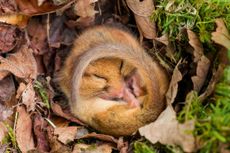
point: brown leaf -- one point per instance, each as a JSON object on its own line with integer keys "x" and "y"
{"x": 38, "y": 34}
{"x": 84, "y": 148}
{"x": 221, "y": 35}
{"x": 142, "y": 11}
{"x": 173, "y": 86}
{"x": 28, "y": 97}
{"x": 7, "y": 89}
{"x": 85, "y": 8}
{"x": 8, "y": 38}
{"x": 66, "y": 134}
{"x": 39, "y": 127}
{"x": 3, "y": 131}
{"x": 4, "y": 112}
{"x": 7, "y": 7}
{"x": 22, "y": 64}
{"x": 24, "y": 135}
{"x": 202, "y": 61}
{"x": 59, "y": 112}
{"x": 167, "y": 130}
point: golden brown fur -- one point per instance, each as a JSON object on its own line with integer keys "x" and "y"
{"x": 107, "y": 116}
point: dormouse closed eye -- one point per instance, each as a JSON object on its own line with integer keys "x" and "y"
{"x": 99, "y": 77}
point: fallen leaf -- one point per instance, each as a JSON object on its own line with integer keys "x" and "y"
{"x": 173, "y": 85}
{"x": 167, "y": 130}
{"x": 3, "y": 132}
{"x": 85, "y": 8}
{"x": 7, "y": 89}
{"x": 66, "y": 134}
{"x": 84, "y": 148}
{"x": 142, "y": 11}
{"x": 4, "y": 112}
{"x": 221, "y": 35}
{"x": 39, "y": 127}
{"x": 203, "y": 63}
{"x": 122, "y": 145}
{"x": 7, "y": 6}
{"x": 28, "y": 97}
{"x": 24, "y": 135}
{"x": 8, "y": 37}
{"x": 59, "y": 112}
{"x": 22, "y": 64}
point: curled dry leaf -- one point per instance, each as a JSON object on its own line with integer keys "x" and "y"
{"x": 28, "y": 97}
{"x": 8, "y": 38}
{"x": 7, "y": 89}
{"x": 84, "y": 148}
{"x": 167, "y": 130}
{"x": 59, "y": 112}
{"x": 203, "y": 63}
{"x": 221, "y": 35}
{"x": 66, "y": 134}
{"x": 173, "y": 86}
{"x": 142, "y": 11}
{"x": 24, "y": 135}
{"x": 22, "y": 64}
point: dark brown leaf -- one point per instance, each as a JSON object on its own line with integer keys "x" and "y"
{"x": 103, "y": 137}
{"x": 22, "y": 64}
{"x": 7, "y": 6}
{"x": 7, "y": 89}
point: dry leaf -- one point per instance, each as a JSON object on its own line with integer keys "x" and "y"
{"x": 7, "y": 89}
{"x": 8, "y": 38}
{"x": 221, "y": 35}
{"x": 173, "y": 86}
{"x": 39, "y": 127}
{"x": 85, "y": 8}
{"x": 28, "y": 97}
{"x": 84, "y": 148}
{"x": 202, "y": 61}
{"x": 22, "y": 64}
{"x": 142, "y": 11}
{"x": 24, "y": 135}
{"x": 7, "y": 6}
{"x": 59, "y": 112}
{"x": 167, "y": 130}
{"x": 66, "y": 134}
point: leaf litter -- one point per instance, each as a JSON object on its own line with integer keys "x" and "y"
{"x": 34, "y": 33}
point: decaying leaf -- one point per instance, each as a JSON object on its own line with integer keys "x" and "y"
{"x": 7, "y": 89}
{"x": 28, "y": 97}
{"x": 173, "y": 86}
{"x": 103, "y": 137}
{"x": 39, "y": 127}
{"x": 221, "y": 35}
{"x": 8, "y": 37}
{"x": 167, "y": 130}
{"x": 24, "y": 135}
{"x": 22, "y": 64}
{"x": 7, "y": 6}
{"x": 66, "y": 134}
{"x": 84, "y": 148}
{"x": 142, "y": 11}
{"x": 203, "y": 63}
